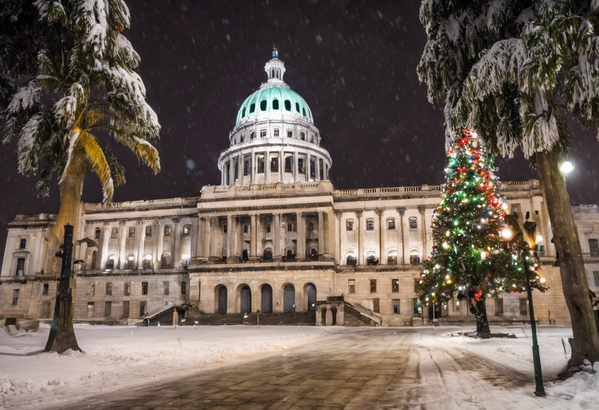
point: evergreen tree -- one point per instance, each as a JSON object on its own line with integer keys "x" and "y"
{"x": 468, "y": 255}
{"x": 515, "y": 70}
{"x": 81, "y": 90}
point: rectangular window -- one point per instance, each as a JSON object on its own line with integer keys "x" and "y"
{"x": 260, "y": 164}
{"x": 263, "y": 133}
{"x": 300, "y": 165}
{"x": 274, "y": 165}
{"x": 396, "y": 307}
{"x": 21, "y": 266}
{"x": 148, "y": 231}
{"x": 413, "y": 222}
{"x": 184, "y": 288}
{"x": 108, "y": 288}
{"x": 45, "y": 289}
{"x": 417, "y": 308}
{"x": 186, "y": 230}
{"x": 289, "y": 227}
{"x": 246, "y": 229}
{"x": 289, "y": 164}
{"x": 267, "y": 228}
{"x": 594, "y": 247}
{"x": 91, "y": 309}
{"x": 596, "y": 275}
{"x": 498, "y": 307}
{"x": 23, "y": 244}
{"x": 321, "y": 168}
{"x": 312, "y": 168}
{"x": 395, "y": 285}
{"x": 246, "y": 165}
{"x": 376, "y": 305}
{"x": 276, "y": 133}
{"x": 97, "y": 233}
{"x": 108, "y": 309}
{"x": 349, "y": 225}
{"x": 289, "y": 134}
{"x": 127, "y": 291}
{"x": 165, "y": 288}
{"x": 144, "y": 288}
{"x": 114, "y": 233}
{"x": 143, "y": 308}
{"x": 416, "y": 286}
{"x": 15, "y": 296}
{"x": 370, "y": 224}
{"x": 391, "y": 223}
{"x": 131, "y": 232}
{"x": 168, "y": 230}
{"x": 125, "y": 309}
{"x": 352, "y": 285}
{"x": 523, "y": 307}
{"x": 372, "y": 285}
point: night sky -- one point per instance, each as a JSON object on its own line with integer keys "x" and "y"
{"x": 353, "y": 62}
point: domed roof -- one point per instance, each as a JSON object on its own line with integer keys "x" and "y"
{"x": 274, "y": 100}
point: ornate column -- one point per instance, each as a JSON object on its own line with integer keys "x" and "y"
{"x": 239, "y": 169}
{"x": 338, "y": 215}
{"x": 359, "y": 241}
{"x": 177, "y": 243}
{"x": 295, "y": 168}
{"x": 238, "y": 234}
{"x": 301, "y": 236}
{"x": 422, "y": 210}
{"x": 382, "y": 256}
{"x": 104, "y": 249}
{"x": 317, "y": 164}
{"x": 259, "y": 251}
{"x": 159, "y": 245}
{"x": 140, "y": 234}
{"x": 267, "y": 167}
{"x": 401, "y": 211}
{"x": 122, "y": 245}
{"x": 321, "y": 239}
{"x": 308, "y": 167}
{"x": 253, "y": 237}
{"x": 282, "y": 166}
{"x": 232, "y": 171}
{"x": 276, "y": 222}
{"x": 214, "y": 233}
{"x": 200, "y": 237}
{"x": 253, "y": 168}
{"x": 230, "y": 230}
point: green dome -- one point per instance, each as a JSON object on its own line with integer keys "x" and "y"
{"x": 274, "y": 99}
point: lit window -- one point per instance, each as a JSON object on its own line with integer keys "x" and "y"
{"x": 15, "y": 296}
{"x": 395, "y": 285}
{"x": 414, "y": 257}
{"x": 168, "y": 230}
{"x": 391, "y": 223}
{"x": 186, "y": 229}
{"x": 149, "y": 231}
{"x": 91, "y": 309}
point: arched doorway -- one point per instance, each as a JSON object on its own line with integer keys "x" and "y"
{"x": 246, "y": 299}
{"x": 289, "y": 298}
{"x": 266, "y": 299}
{"x": 310, "y": 292}
{"x": 221, "y": 295}
{"x": 334, "y": 316}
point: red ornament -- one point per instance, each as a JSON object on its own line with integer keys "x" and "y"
{"x": 477, "y": 295}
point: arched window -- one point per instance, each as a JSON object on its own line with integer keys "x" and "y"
{"x": 110, "y": 262}
{"x": 304, "y": 111}
{"x": 147, "y": 264}
{"x": 349, "y": 225}
{"x": 392, "y": 258}
{"x": 313, "y": 254}
{"x": 243, "y": 113}
{"x": 186, "y": 230}
{"x": 263, "y": 105}
{"x": 275, "y": 104}
{"x": 414, "y": 257}
{"x": 267, "y": 254}
{"x": 242, "y": 138}
{"x": 252, "y": 136}
{"x": 413, "y": 222}
{"x": 391, "y": 223}
{"x": 297, "y": 107}
{"x": 310, "y": 226}
{"x": 351, "y": 259}
{"x": 165, "y": 260}
{"x": 288, "y": 105}
{"x": 252, "y": 108}
{"x": 371, "y": 259}
{"x": 370, "y": 224}
{"x": 130, "y": 261}
{"x": 303, "y": 136}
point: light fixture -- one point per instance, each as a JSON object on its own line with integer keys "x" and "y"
{"x": 507, "y": 233}
{"x": 566, "y": 167}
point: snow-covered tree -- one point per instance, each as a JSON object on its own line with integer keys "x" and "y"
{"x": 469, "y": 261}
{"x": 81, "y": 91}
{"x": 515, "y": 70}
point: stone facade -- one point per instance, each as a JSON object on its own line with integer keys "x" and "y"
{"x": 274, "y": 236}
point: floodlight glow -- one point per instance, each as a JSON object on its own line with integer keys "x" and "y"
{"x": 566, "y": 167}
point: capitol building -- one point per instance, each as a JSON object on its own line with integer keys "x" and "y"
{"x": 274, "y": 236}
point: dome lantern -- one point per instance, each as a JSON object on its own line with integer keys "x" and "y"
{"x": 275, "y": 69}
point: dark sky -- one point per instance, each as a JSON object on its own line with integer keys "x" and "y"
{"x": 353, "y": 62}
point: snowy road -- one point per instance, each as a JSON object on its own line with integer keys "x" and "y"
{"x": 352, "y": 369}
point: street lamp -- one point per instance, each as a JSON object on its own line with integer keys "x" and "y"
{"x": 566, "y": 167}
{"x": 528, "y": 236}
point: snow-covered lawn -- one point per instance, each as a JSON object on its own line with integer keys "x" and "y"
{"x": 119, "y": 357}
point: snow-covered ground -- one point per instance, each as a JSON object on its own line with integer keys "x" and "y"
{"x": 119, "y": 357}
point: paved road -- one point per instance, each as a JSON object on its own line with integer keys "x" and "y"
{"x": 362, "y": 369}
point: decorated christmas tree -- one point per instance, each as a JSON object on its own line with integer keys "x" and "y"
{"x": 469, "y": 260}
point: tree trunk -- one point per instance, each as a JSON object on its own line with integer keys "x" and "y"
{"x": 479, "y": 310}
{"x": 585, "y": 344}
{"x": 62, "y": 335}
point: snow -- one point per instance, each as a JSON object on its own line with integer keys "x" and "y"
{"x": 116, "y": 356}
{"x": 119, "y": 357}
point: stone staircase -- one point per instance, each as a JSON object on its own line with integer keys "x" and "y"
{"x": 357, "y": 315}
{"x": 266, "y": 319}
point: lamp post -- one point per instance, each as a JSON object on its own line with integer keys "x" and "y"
{"x": 531, "y": 239}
